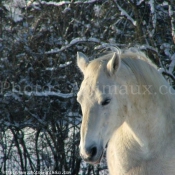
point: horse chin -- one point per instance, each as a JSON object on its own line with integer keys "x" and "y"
{"x": 96, "y": 160}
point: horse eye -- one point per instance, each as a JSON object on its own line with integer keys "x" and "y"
{"x": 105, "y": 102}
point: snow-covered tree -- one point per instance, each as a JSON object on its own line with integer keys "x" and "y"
{"x": 39, "y": 116}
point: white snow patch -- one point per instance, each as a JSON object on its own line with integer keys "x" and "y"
{"x": 67, "y": 9}
{"x": 172, "y": 64}
{"x": 52, "y": 51}
{"x": 15, "y": 94}
{"x": 76, "y": 40}
{"x": 55, "y": 3}
{"x": 145, "y": 46}
{"x": 151, "y": 3}
{"x": 124, "y": 13}
{"x": 94, "y": 40}
{"x": 65, "y": 64}
{"x": 161, "y": 70}
{"x": 50, "y": 68}
{"x": 83, "y": 39}
{"x": 48, "y": 93}
{"x": 14, "y": 13}
{"x": 74, "y": 114}
{"x": 97, "y": 10}
{"x": 139, "y": 2}
{"x": 14, "y": 9}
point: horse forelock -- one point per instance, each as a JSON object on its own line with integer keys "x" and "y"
{"x": 98, "y": 64}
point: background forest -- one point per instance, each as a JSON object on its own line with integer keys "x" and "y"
{"x": 39, "y": 116}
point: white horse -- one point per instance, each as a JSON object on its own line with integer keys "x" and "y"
{"x": 129, "y": 108}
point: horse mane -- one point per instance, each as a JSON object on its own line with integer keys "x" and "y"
{"x": 142, "y": 67}
{"x": 145, "y": 71}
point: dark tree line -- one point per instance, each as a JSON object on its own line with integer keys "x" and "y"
{"x": 39, "y": 116}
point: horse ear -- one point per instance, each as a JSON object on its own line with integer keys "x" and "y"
{"x": 82, "y": 61}
{"x": 113, "y": 64}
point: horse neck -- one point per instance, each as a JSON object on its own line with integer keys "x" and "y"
{"x": 150, "y": 114}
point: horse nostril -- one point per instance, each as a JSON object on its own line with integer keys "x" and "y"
{"x": 93, "y": 151}
{"x": 90, "y": 153}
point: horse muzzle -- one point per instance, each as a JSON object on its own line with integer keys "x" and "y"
{"x": 91, "y": 154}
